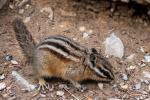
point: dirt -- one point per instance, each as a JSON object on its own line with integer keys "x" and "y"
{"x": 68, "y": 17}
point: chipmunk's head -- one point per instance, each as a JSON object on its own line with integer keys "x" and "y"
{"x": 100, "y": 65}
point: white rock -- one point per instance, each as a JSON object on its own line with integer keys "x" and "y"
{"x": 131, "y": 57}
{"x": 124, "y": 77}
{"x": 21, "y": 11}
{"x": 42, "y": 95}
{"x": 2, "y": 77}
{"x": 113, "y": 99}
{"x": 60, "y": 93}
{"x": 124, "y": 86}
{"x": 147, "y": 58}
{"x": 131, "y": 68}
{"x": 82, "y": 28}
{"x": 27, "y": 19}
{"x": 114, "y": 46}
{"x": 142, "y": 49}
{"x": 14, "y": 62}
{"x": 100, "y": 85}
{"x": 24, "y": 83}
{"x": 2, "y": 86}
{"x": 137, "y": 86}
{"x": 146, "y": 74}
{"x": 85, "y": 35}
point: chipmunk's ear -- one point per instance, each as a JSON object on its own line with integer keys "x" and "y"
{"x": 94, "y": 51}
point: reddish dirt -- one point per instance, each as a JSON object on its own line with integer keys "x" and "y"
{"x": 133, "y": 31}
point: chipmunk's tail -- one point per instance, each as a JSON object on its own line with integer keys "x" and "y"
{"x": 24, "y": 38}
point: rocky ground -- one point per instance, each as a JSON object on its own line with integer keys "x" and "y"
{"x": 90, "y": 25}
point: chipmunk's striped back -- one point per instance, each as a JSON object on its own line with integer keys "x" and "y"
{"x": 63, "y": 47}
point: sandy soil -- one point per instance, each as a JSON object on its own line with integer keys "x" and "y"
{"x": 68, "y": 17}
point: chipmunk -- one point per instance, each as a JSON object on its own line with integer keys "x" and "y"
{"x": 59, "y": 56}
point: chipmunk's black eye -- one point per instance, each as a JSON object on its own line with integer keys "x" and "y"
{"x": 93, "y": 59}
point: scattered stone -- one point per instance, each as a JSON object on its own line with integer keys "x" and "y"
{"x": 82, "y": 28}
{"x": 24, "y": 83}
{"x": 131, "y": 68}
{"x": 142, "y": 49}
{"x": 14, "y": 62}
{"x": 137, "y": 86}
{"x": 62, "y": 86}
{"x": 2, "y": 86}
{"x": 2, "y": 77}
{"x": 146, "y": 74}
{"x": 124, "y": 77}
{"x": 42, "y": 95}
{"x": 100, "y": 85}
{"x": 114, "y": 46}
{"x": 11, "y": 6}
{"x": 23, "y": 2}
{"x": 74, "y": 39}
{"x": 49, "y": 11}
{"x": 21, "y": 11}
{"x": 85, "y": 35}
{"x": 60, "y": 93}
{"x": 27, "y": 19}
{"x": 147, "y": 58}
{"x": 131, "y": 57}
{"x": 113, "y": 99}
{"x": 8, "y": 57}
{"x": 145, "y": 82}
{"x": 124, "y": 86}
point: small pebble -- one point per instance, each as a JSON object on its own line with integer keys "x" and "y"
{"x": 124, "y": 77}
{"x": 14, "y": 62}
{"x": 100, "y": 85}
{"x": 74, "y": 39}
{"x": 2, "y": 86}
{"x": 147, "y": 58}
{"x": 2, "y": 77}
{"x": 85, "y": 35}
{"x": 11, "y": 6}
{"x": 8, "y": 57}
{"x": 21, "y": 11}
{"x": 82, "y": 28}
{"x": 42, "y": 95}
{"x": 60, "y": 93}
{"x": 131, "y": 67}
{"x": 146, "y": 74}
{"x": 131, "y": 57}
{"x": 62, "y": 86}
{"x": 137, "y": 86}
{"x": 27, "y": 19}
{"x": 113, "y": 99}
{"x": 124, "y": 86}
{"x": 142, "y": 49}
{"x": 145, "y": 82}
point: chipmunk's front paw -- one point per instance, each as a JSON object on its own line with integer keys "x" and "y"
{"x": 43, "y": 85}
